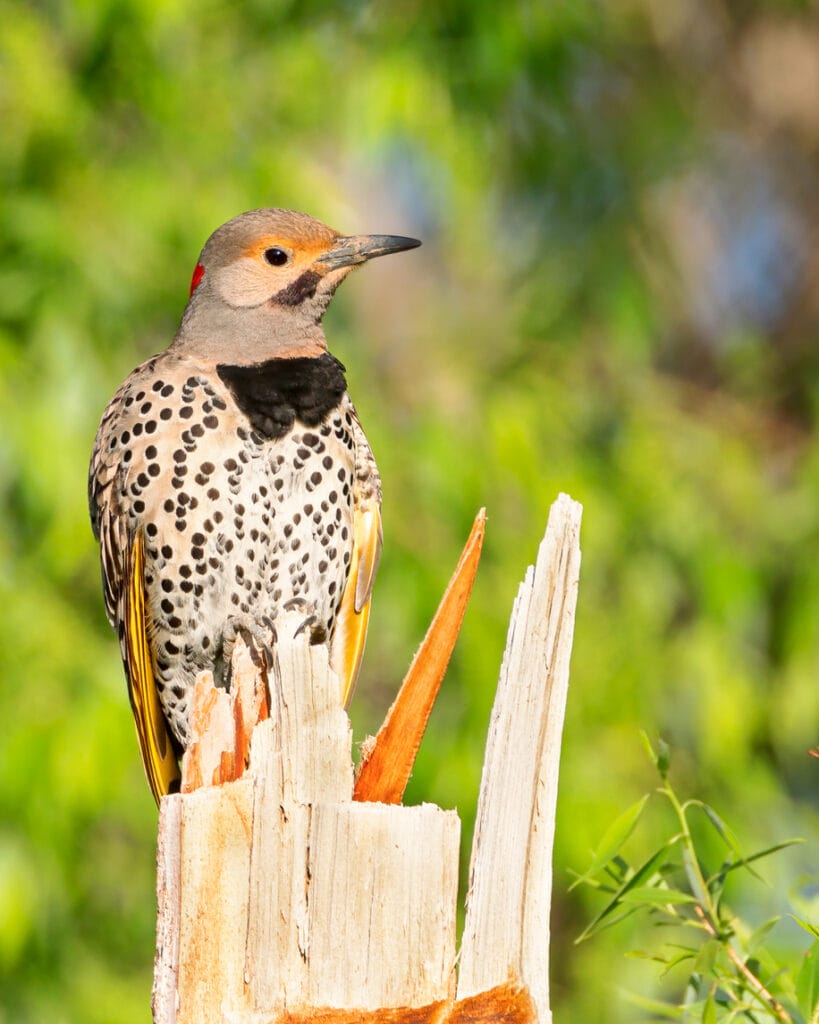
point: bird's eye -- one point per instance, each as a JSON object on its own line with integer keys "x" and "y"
{"x": 276, "y": 257}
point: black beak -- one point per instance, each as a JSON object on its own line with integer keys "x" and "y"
{"x": 347, "y": 252}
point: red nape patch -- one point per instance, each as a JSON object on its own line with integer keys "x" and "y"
{"x": 198, "y": 274}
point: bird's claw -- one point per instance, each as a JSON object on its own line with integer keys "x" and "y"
{"x": 258, "y": 635}
{"x": 310, "y": 623}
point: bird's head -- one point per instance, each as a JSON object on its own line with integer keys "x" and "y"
{"x": 264, "y": 280}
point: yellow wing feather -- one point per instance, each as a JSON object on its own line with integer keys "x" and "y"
{"x": 350, "y": 634}
{"x": 158, "y": 755}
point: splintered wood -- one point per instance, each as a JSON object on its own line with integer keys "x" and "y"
{"x": 282, "y": 900}
{"x": 277, "y": 892}
{"x": 510, "y": 878}
{"x": 386, "y": 762}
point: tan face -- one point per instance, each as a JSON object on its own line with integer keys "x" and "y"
{"x": 269, "y": 265}
{"x": 278, "y": 263}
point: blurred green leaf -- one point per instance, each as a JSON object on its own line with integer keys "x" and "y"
{"x": 723, "y": 830}
{"x": 694, "y": 876}
{"x": 760, "y": 935}
{"x": 811, "y": 929}
{"x": 708, "y": 955}
{"x": 807, "y": 984}
{"x": 664, "y": 1011}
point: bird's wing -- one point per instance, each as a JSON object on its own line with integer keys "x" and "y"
{"x": 158, "y": 754}
{"x": 350, "y": 633}
{"x": 123, "y": 583}
{"x": 122, "y": 561}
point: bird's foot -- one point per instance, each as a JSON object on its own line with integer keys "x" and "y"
{"x": 310, "y": 623}
{"x": 258, "y": 635}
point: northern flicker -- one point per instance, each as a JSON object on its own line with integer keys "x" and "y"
{"x": 231, "y": 485}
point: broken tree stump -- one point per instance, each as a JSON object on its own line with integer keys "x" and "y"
{"x": 283, "y": 899}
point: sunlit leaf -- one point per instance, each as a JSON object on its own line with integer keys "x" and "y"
{"x": 807, "y": 984}
{"x": 613, "y": 838}
{"x": 811, "y": 929}
{"x": 694, "y": 876}
{"x": 647, "y": 745}
{"x": 644, "y": 872}
{"x": 656, "y": 896}
{"x": 706, "y": 959}
{"x": 656, "y": 1007}
{"x": 722, "y": 828}
{"x": 605, "y": 921}
{"x": 680, "y": 958}
{"x": 760, "y": 934}
{"x": 641, "y": 954}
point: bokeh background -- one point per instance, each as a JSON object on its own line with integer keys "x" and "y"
{"x": 618, "y": 296}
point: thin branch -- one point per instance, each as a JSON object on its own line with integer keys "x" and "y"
{"x": 754, "y": 983}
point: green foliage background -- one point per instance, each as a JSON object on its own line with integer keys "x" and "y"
{"x": 617, "y": 297}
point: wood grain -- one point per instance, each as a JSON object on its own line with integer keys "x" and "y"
{"x": 507, "y": 909}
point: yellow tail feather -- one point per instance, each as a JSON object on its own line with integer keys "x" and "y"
{"x": 155, "y": 746}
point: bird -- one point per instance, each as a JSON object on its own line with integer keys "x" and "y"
{"x": 231, "y": 487}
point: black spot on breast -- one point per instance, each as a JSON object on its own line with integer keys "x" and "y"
{"x": 274, "y": 394}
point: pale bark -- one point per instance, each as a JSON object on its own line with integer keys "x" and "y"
{"x": 282, "y": 899}
{"x": 278, "y": 893}
{"x": 507, "y": 908}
